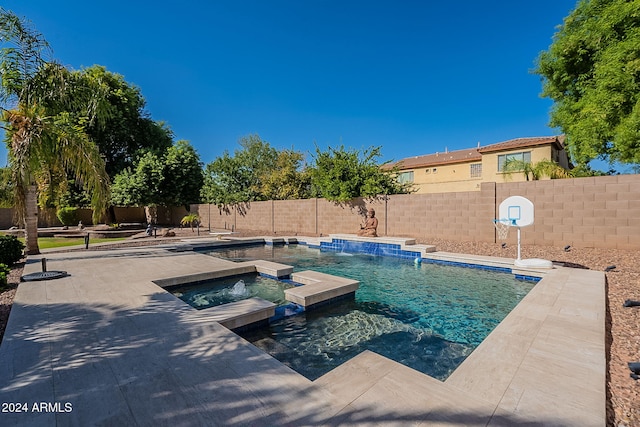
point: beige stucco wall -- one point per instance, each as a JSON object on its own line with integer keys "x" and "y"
{"x": 457, "y": 177}
{"x": 490, "y": 164}
{"x": 445, "y": 178}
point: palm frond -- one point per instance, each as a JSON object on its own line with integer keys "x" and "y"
{"x": 535, "y": 171}
{"x": 82, "y": 159}
{"x": 512, "y": 166}
{"x": 552, "y": 169}
{"x": 23, "y": 53}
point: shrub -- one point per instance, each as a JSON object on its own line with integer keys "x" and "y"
{"x": 4, "y": 272}
{"x": 68, "y": 216}
{"x": 10, "y": 250}
{"x": 191, "y": 220}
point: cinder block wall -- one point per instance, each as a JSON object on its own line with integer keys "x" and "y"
{"x": 6, "y": 218}
{"x": 599, "y": 212}
{"x": 348, "y": 217}
{"x": 48, "y": 218}
{"x": 129, "y": 215}
{"x": 297, "y": 216}
{"x": 170, "y": 216}
{"x": 255, "y": 216}
{"x": 211, "y": 215}
{"x": 454, "y": 216}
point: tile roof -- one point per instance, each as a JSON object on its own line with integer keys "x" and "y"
{"x": 558, "y": 141}
{"x": 450, "y": 157}
{"x": 475, "y": 154}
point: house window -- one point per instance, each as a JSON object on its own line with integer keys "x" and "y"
{"x": 476, "y": 170}
{"x": 404, "y": 177}
{"x": 525, "y": 156}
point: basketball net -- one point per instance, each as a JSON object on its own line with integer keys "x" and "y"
{"x": 502, "y": 227}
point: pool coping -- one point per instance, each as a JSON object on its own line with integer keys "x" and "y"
{"x": 544, "y": 364}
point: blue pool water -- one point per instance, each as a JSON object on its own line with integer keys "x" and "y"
{"x": 230, "y": 289}
{"x": 429, "y": 317}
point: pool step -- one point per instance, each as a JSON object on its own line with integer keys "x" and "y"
{"x": 402, "y": 241}
{"x": 318, "y": 287}
{"x": 192, "y": 279}
{"x": 269, "y": 268}
{"x": 238, "y": 314}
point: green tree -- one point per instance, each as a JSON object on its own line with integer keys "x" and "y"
{"x": 223, "y": 183}
{"x": 72, "y": 195}
{"x": 288, "y": 179}
{"x": 170, "y": 179}
{"x": 582, "y": 171}
{"x": 340, "y": 175}
{"x": 141, "y": 186}
{"x": 126, "y": 131}
{"x": 6, "y": 188}
{"x": 256, "y": 171}
{"x": 256, "y": 159}
{"x": 44, "y": 124}
{"x": 592, "y": 73}
{"x": 182, "y": 175}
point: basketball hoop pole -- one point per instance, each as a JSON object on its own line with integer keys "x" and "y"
{"x": 518, "y": 242}
{"x": 515, "y": 224}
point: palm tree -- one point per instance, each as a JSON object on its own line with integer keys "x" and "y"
{"x": 535, "y": 171}
{"x": 44, "y": 109}
{"x": 191, "y": 219}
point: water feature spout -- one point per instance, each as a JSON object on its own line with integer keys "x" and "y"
{"x": 239, "y": 289}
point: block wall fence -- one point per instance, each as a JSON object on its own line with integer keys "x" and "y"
{"x": 48, "y": 218}
{"x": 602, "y": 212}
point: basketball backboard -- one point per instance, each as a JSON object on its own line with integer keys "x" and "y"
{"x": 517, "y": 210}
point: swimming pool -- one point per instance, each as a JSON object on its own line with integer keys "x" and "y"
{"x": 429, "y": 317}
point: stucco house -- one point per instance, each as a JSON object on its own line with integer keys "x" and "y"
{"x": 464, "y": 170}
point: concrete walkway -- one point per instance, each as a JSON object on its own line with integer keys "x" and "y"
{"x": 106, "y": 346}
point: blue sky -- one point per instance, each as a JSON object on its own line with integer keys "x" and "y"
{"x": 415, "y": 77}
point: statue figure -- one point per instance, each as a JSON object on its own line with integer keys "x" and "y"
{"x": 370, "y": 226}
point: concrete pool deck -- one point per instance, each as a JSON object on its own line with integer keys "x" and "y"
{"x": 107, "y": 346}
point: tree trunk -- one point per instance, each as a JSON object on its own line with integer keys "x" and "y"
{"x": 31, "y": 221}
{"x": 151, "y": 212}
{"x": 111, "y": 215}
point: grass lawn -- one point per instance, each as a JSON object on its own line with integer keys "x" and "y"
{"x": 58, "y": 242}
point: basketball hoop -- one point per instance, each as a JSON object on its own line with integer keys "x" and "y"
{"x": 502, "y": 227}
{"x": 517, "y": 211}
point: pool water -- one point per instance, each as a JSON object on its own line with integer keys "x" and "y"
{"x": 230, "y": 289}
{"x": 429, "y": 317}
